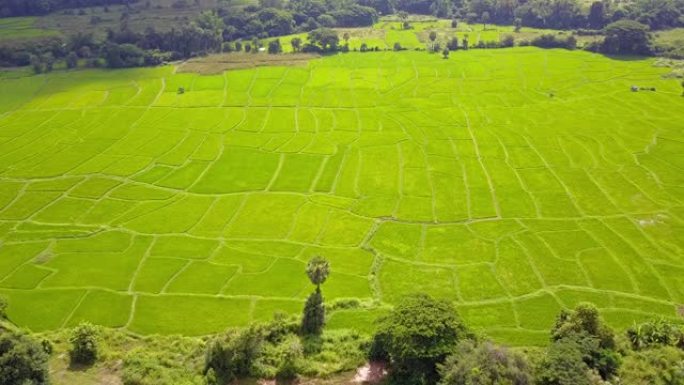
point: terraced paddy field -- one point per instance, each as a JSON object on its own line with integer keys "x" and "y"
{"x": 514, "y": 182}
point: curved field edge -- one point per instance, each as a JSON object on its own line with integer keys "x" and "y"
{"x": 513, "y": 182}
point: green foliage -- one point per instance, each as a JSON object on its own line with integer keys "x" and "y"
{"x": 583, "y": 320}
{"x": 3, "y": 307}
{"x": 655, "y": 366}
{"x": 123, "y": 55}
{"x": 318, "y": 270}
{"x": 84, "y": 340}
{"x": 445, "y": 53}
{"x": 626, "y": 37}
{"x": 274, "y": 47}
{"x": 484, "y": 364}
{"x": 292, "y": 354}
{"x": 22, "y": 360}
{"x": 418, "y": 334}
{"x": 313, "y": 318}
{"x": 563, "y": 364}
{"x": 71, "y": 60}
{"x": 233, "y": 355}
{"x": 325, "y": 38}
{"x": 657, "y": 332}
{"x": 596, "y": 341}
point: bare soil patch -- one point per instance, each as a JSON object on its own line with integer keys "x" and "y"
{"x": 215, "y": 64}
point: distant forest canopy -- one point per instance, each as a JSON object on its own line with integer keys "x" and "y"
{"x": 9, "y": 8}
{"x": 230, "y": 27}
{"x": 280, "y": 17}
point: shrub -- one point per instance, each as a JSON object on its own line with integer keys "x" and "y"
{"x": 655, "y": 333}
{"x": 71, "y": 60}
{"x": 293, "y": 352}
{"x": 657, "y": 366}
{"x": 84, "y": 341}
{"x": 397, "y": 46}
{"x": 508, "y": 41}
{"x": 22, "y": 360}
{"x": 484, "y": 363}
{"x": 552, "y": 41}
{"x": 233, "y": 355}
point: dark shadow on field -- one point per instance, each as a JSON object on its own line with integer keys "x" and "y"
{"x": 625, "y": 57}
{"x": 73, "y": 367}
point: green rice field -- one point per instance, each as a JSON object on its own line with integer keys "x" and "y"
{"x": 513, "y": 182}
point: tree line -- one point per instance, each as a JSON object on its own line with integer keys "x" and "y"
{"x": 11, "y": 8}
{"x": 557, "y": 14}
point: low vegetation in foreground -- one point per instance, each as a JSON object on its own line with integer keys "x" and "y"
{"x": 420, "y": 341}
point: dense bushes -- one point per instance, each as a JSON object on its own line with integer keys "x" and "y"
{"x": 484, "y": 363}
{"x": 553, "y": 41}
{"x": 234, "y": 354}
{"x": 22, "y": 360}
{"x": 84, "y": 341}
{"x": 417, "y": 336}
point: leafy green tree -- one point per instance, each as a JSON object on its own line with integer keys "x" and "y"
{"x": 313, "y": 318}
{"x": 419, "y": 333}
{"x": 274, "y": 47}
{"x": 452, "y": 44}
{"x": 432, "y": 36}
{"x": 233, "y": 355}
{"x": 584, "y": 319}
{"x": 485, "y": 19}
{"x": 346, "y": 38}
{"x": 85, "y": 340}
{"x": 71, "y": 60}
{"x": 597, "y": 15}
{"x": 595, "y": 339}
{"x": 518, "y": 24}
{"x": 484, "y": 364}
{"x": 22, "y": 360}
{"x": 445, "y": 53}
{"x": 626, "y": 37}
{"x": 296, "y": 44}
{"x": 37, "y": 64}
{"x": 318, "y": 270}
{"x": 563, "y": 364}
{"x": 326, "y": 38}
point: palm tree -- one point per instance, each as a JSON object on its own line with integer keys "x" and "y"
{"x": 318, "y": 270}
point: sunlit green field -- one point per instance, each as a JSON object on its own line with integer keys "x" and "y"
{"x": 513, "y": 182}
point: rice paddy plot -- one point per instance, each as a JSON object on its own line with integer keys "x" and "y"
{"x": 512, "y": 182}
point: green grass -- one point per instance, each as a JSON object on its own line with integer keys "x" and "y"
{"x": 19, "y": 28}
{"x": 512, "y": 182}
